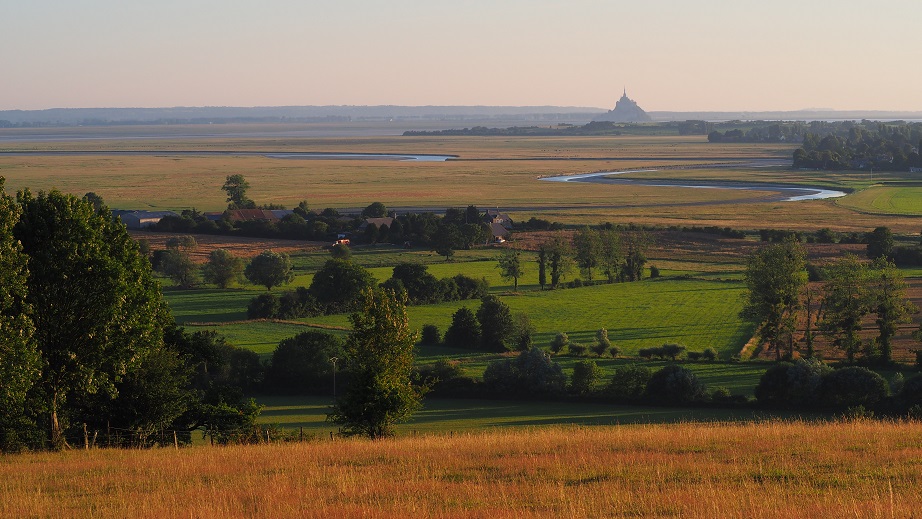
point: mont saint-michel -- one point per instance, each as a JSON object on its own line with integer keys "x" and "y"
{"x": 626, "y": 111}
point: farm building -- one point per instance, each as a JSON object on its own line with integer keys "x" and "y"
{"x": 141, "y": 219}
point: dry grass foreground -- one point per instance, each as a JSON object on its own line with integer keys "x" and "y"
{"x": 773, "y": 469}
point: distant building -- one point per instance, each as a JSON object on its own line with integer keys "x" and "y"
{"x": 625, "y": 111}
{"x": 251, "y": 215}
{"x": 384, "y": 220}
{"x": 141, "y": 219}
{"x": 494, "y": 216}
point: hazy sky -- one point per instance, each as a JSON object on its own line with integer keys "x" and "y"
{"x": 670, "y": 54}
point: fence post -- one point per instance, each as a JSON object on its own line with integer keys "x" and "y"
{"x": 86, "y": 439}
{"x": 175, "y": 440}
{"x": 301, "y": 435}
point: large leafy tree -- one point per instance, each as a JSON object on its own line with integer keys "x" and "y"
{"x": 19, "y": 359}
{"x": 497, "y": 326}
{"x": 379, "y": 357}
{"x": 96, "y": 308}
{"x": 339, "y": 284}
{"x": 775, "y": 276}
{"x": 269, "y": 269}
{"x": 236, "y": 188}
{"x": 847, "y": 299}
{"x": 223, "y": 268}
{"x": 588, "y": 248}
{"x": 554, "y": 255}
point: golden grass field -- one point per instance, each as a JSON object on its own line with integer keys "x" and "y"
{"x": 695, "y": 470}
{"x": 491, "y": 172}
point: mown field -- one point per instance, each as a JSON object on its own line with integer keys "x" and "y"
{"x": 490, "y": 172}
{"x": 887, "y": 200}
{"x": 698, "y": 470}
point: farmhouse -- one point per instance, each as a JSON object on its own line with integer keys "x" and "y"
{"x": 141, "y": 219}
{"x": 498, "y": 232}
{"x": 497, "y": 217}
{"x": 385, "y": 220}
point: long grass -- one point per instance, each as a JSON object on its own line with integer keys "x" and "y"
{"x": 770, "y": 469}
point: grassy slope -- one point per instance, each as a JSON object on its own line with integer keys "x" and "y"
{"x": 769, "y": 469}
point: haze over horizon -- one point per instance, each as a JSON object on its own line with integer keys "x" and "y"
{"x": 671, "y": 55}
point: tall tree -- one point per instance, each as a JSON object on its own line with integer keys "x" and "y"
{"x": 269, "y": 269}
{"x": 339, "y": 284}
{"x": 497, "y": 327}
{"x": 635, "y": 244}
{"x": 556, "y": 253}
{"x": 542, "y": 266}
{"x": 880, "y": 243}
{"x": 775, "y": 276}
{"x": 511, "y": 266}
{"x": 236, "y": 188}
{"x": 379, "y": 357}
{"x": 611, "y": 257}
{"x": 588, "y": 250}
{"x": 96, "y": 307}
{"x": 889, "y": 303}
{"x": 19, "y": 358}
{"x": 847, "y": 299}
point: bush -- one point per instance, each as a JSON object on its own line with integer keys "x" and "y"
{"x": 694, "y": 356}
{"x": 265, "y": 306}
{"x": 853, "y": 386}
{"x": 578, "y": 350}
{"x": 602, "y": 344}
{"x": 675, "y": 385}
{"x": 531, "y": 374}
{"x": 586, "y": 374}
{"x": 709, "y": 354}
{"x": 431, "y": 334}
{"x": 561, "y": 341}
{"x": 629, "y": 382}
{"x": 672, "y": 350}
{"x": 654, "y": 272}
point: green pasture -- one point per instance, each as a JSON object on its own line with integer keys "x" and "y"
{"x": 901, "y": 200}
{"x": 696, "y": 313}
{"x": 442, "y": 415}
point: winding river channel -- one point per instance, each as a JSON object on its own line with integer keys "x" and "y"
{"x": 783, "y": 192}
{"x": 780, "y": 192}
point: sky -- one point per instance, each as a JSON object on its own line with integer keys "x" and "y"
{"x": 675, "y": 55}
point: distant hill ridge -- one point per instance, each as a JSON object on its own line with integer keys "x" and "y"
{"x": 345, "y": 113}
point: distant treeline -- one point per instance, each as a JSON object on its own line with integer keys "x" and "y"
{"x": 865, "y": 145}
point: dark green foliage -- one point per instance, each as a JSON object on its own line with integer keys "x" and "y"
{"x": 177, "y": 265}
{"x": 911, "y": 394}
{"x": 236, "y": 187}
{"x": 511, "y": 266}
{"x": 341, "y": 251}
{"x": 602, "y": 344}
{"x": 497, "y": 327}
{"x": 421, "y": 286}
{"x": 577, "y": 349}
{"x": 586, "y": 374}
{"x": 560, "y": 341}
{"x": 853, "y": 386}
{"x": 431, "y": 335}
{"x": 654, "y": 272}
{"x": 19, "y": 358}
{"x": 375, "y": 210}
{"x": 302, "y": 365}
{"x": 269, "y": 269}
{"x": 464, "y": 331}
{"x": 531, "y": 374}
{"x": 263, "y": 306}
{"x": 880, "y": 243}
{"x": 792, "y": 384}
{"x": 223, "y": 269}
{"x": 775, "y": 277}
{"x": 709, "y": 354}
{"x": 554, "y": 258}
{"x": 675, "y": 385}
{"x": 379, "y": 358}
{"x": 672, "y": 351}
{"x": 847, "y": 299}
{"x": 629, "y": 383}
{"x": 339, "y": 284}
{"x": 96, "y": 308}
{"x": 523, "y": 333}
